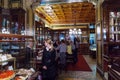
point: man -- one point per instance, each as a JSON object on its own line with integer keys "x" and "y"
{"x": 29, "y": 54}
{"x": 62, "y": 49}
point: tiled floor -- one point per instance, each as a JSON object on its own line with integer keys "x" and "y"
{"x": 82, "y": 75}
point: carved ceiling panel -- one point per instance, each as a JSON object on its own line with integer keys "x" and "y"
{"x": 68, "y": 13}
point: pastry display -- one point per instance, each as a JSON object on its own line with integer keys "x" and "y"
{"x": 1, "y": 50}
{"x": 25, "y": 71}
{"x": 4, "y": 57}
{"x": 23, "y": 74}
{"x": 18, "y": 78}
{"x": 9, "y": 56}
{"x": 7, "y": 75}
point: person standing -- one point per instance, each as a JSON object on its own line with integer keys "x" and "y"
{"x": 69, "y": 48}
{"x": 62, "y": 50}
{"x": 29, "y": 54}
{"x": 48, "y": 61}
{"x": 73, "y": 51}
{"x": 76, "y": 43}
{"x": 56, "y": 44}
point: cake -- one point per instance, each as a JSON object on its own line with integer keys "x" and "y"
{"x": 7, "y": 75}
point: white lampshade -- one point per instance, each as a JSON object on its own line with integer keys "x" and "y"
{"x": 75, "y": 31}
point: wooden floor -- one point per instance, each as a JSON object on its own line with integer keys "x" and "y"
{"x": 82, "y": 75}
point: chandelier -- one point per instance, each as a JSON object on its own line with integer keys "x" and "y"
{"x": 75, "y": 31}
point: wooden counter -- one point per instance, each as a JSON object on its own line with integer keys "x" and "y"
{"x": 83, "y": 48}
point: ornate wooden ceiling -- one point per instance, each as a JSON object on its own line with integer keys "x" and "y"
{"x": 68, "y": 13}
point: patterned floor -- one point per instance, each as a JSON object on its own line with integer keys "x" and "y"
{"x": 81, "y": 75}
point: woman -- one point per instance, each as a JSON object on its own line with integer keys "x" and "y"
{"x": 69, "y": 48}
{"x": 48, "y": 61}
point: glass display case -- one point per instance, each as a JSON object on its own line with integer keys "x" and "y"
{"x": 14, "y": 45}
{"x": 17, "y": 21}
{"x": 12, "y": 21}
{"x": 92, "y": 38}
{"x": 93, "y": 47}
{"x": 59, "y": 35}
{"x": 110, "y": 34}
{"x": 114, "y": 29}
{"x": 39, "y": 31}
{"x": 4, "y": 21}
{"x": 93, "y": 50}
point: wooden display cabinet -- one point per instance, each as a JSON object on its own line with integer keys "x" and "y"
{"x": 39, "y": 31}
{"x": 17, "y": 21}
{"x": 59, "y": 34}
{"x": 12, "y": 21}
{"x": 111, "y": 43}
{"x": 47, "y": 33}
{"x": 42, "y": 32}
{"x": 110, "y": 36}
{"x": 15, "y": 45}
{"x": 5, "y": 21}
{"x": 84, "y": 48}
{"x": 113, "y": 74}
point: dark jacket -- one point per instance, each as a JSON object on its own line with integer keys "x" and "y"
{"x": 29, "y": 53}
{"x": 48, "y": 60}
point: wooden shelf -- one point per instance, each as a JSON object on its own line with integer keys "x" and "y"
{"x": 15, "y": 36}
{"x": 113, "y": 74}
